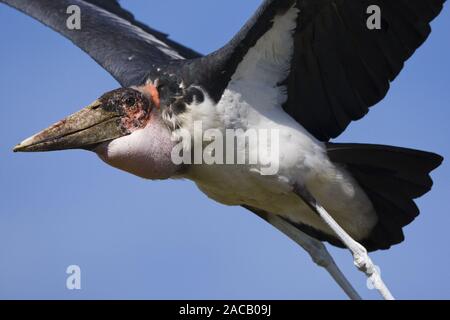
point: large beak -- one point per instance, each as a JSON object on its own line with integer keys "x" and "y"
{"x": 82, "y": 130}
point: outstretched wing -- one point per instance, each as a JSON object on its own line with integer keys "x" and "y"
{"x": 339, "y": 67}
{"x": 126, "y": 48}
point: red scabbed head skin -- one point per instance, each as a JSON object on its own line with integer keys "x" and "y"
{"x": 136, "y": 117}
{"x": 133, "y": 106}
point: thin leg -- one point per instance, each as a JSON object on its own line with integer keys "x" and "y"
{"x": 360, "y": 257}
{"x": 318, "y": 253}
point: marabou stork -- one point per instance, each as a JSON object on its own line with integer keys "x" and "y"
{"x": 301, "y": 68}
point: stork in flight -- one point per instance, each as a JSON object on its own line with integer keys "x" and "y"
{"x": 302, "y": 68}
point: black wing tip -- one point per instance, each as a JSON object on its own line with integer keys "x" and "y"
{"x": 435, "y": 160}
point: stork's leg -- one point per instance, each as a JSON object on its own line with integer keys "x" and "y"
{"x": 318, "y": 253}
{"x": 361, "y": 259}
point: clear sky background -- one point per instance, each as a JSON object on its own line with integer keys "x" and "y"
{"x": 161, "y": 240}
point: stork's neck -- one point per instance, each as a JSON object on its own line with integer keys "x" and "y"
{"x": 145, "y": 153}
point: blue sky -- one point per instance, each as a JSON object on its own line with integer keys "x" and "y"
{"x": 161, "y": 240}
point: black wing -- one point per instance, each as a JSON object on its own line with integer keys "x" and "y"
{"x": 340, "y": 68}
{"x": 126, "y": 48}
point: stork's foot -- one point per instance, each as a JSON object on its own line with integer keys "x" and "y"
{"x": 360, "y": 257}
{"x": 365, "y": 264}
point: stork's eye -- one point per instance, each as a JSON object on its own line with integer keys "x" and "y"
{"x": 130, "y": 101}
